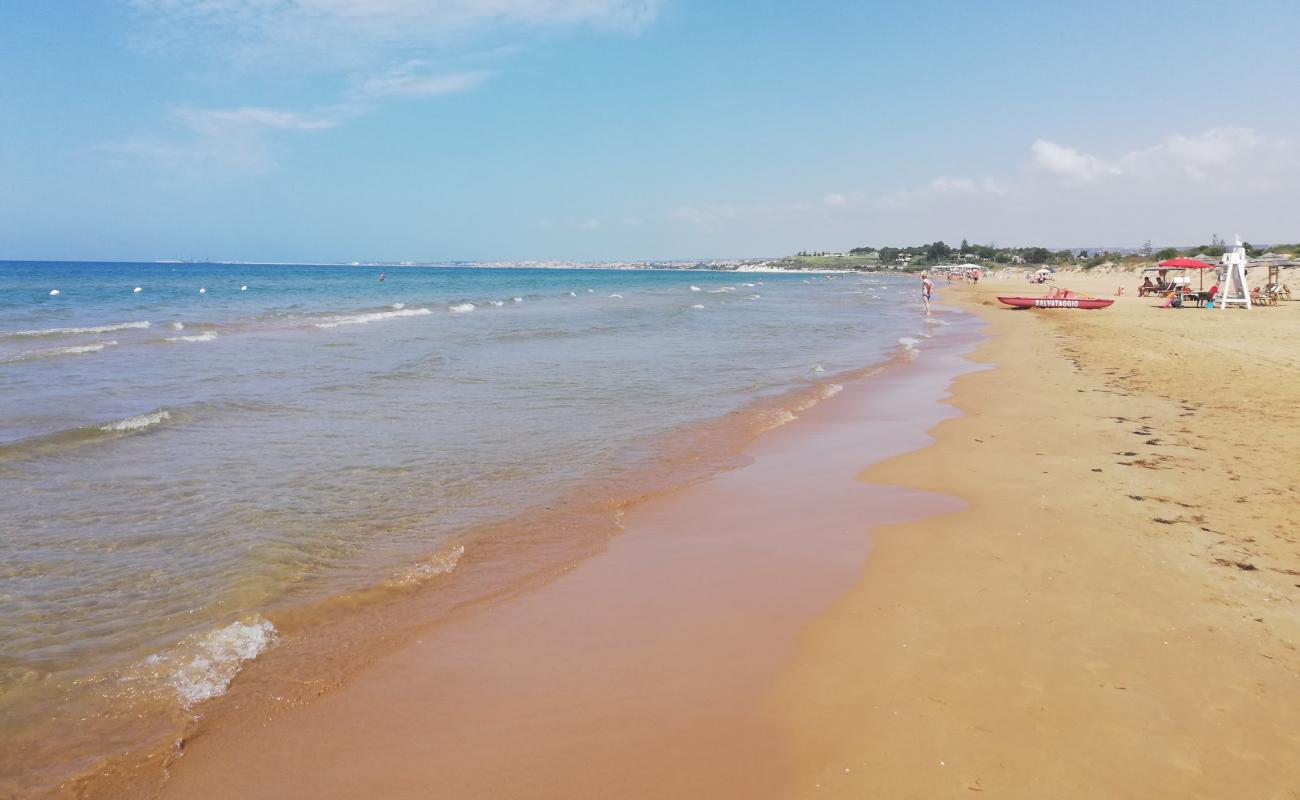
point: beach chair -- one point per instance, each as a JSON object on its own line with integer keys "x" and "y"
{"x": 1260, "y": 297}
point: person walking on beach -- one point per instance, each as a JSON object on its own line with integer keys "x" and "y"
{"x": 927, "y": 286}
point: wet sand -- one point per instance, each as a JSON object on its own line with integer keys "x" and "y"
{"x": 647, "y": 670}
{"x": 1116, "y": 612}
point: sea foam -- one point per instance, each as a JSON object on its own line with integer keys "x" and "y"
{"x": 203, "y": 667}
{"x": 374, "y": 316}
{"x": 206, "y": 336}
{"x": 137, "y": 422}
{"x": 119, "y": 326}
{"x": 462, "y": 308}
{"x": 50, "y": 352}
{"x": 440, "y": 563}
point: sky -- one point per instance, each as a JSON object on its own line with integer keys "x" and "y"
{"x": 339, "y": 130}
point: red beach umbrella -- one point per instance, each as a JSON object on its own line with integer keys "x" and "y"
{"x": 1185, "y": 263}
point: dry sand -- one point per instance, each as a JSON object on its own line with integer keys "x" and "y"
{"x": 1116, "y": 613}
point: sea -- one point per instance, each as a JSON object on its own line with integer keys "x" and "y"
{"x": 197, "y": 461}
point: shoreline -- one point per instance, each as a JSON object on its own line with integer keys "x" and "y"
{"x": 1113, "y": 614}
{"x": 657, "y": 651}
{"x": 320, "y": 643}
{"x": 1100, "y": 618}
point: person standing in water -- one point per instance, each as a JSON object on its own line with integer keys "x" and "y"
{"x": 381, "y": 277}
{"x": 927, "y": 286}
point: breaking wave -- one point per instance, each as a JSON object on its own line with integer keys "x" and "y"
{"x": 51, "y": 352}
{"x": 462, "y": 308}
{"x": 137, "y": 422}
{"x": 52, "y": 443}
{"x": 120, "y": 326}
{"x": 440, "y": 563}
{"x": 202, "y": 666}
{"x": 207, "y": 336}
{"x": 373, "y": 316}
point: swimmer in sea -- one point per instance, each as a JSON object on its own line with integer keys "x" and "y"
{"x": 381, "y": 277}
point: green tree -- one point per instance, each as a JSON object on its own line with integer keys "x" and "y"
{"x": 889, "y": 255}
{"x": 1168, "y": 252}
{"x": 965, "y": 247}
{"x": 1036, "y": 255}
{"x": 1146, "y": 249}
{"x": 936, "y": 252}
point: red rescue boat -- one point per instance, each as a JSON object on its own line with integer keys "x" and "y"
{"x": 1057, "y": 298}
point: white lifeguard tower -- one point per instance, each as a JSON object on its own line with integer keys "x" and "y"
{"x": 1235, "y": 291}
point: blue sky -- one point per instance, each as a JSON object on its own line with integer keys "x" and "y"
{"x": 631, "y": 129}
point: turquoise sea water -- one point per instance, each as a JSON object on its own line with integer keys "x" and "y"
{"x": 176, "y": 462}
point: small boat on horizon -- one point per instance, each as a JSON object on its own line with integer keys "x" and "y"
{"x": 1057, "y": 298}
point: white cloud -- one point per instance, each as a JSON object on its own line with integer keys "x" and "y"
{"x": 936, "y": 188}
{"x": 219, "y": 121}
{"x": 415, "y": 79}
{"x": 1178, "y": 190}
{"x": 339, "y": 37}
{"x": 222, "y": 142}
{"x": 952, "y": 185}
{"x": 322, "y": 32}
{"x": 1068, "y": 164}
{"x": 1218, "y": 152}
{"x": 709, "y": 217}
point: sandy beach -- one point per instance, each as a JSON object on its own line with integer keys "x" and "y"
{"x": 1085, "y": 586}
{"x": 1115, "y": 613}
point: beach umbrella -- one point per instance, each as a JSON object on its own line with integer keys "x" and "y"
{"x": 1273, "y": 262}
{"x": 1184, "y": 263}
{"x": 1187, "y": 263}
